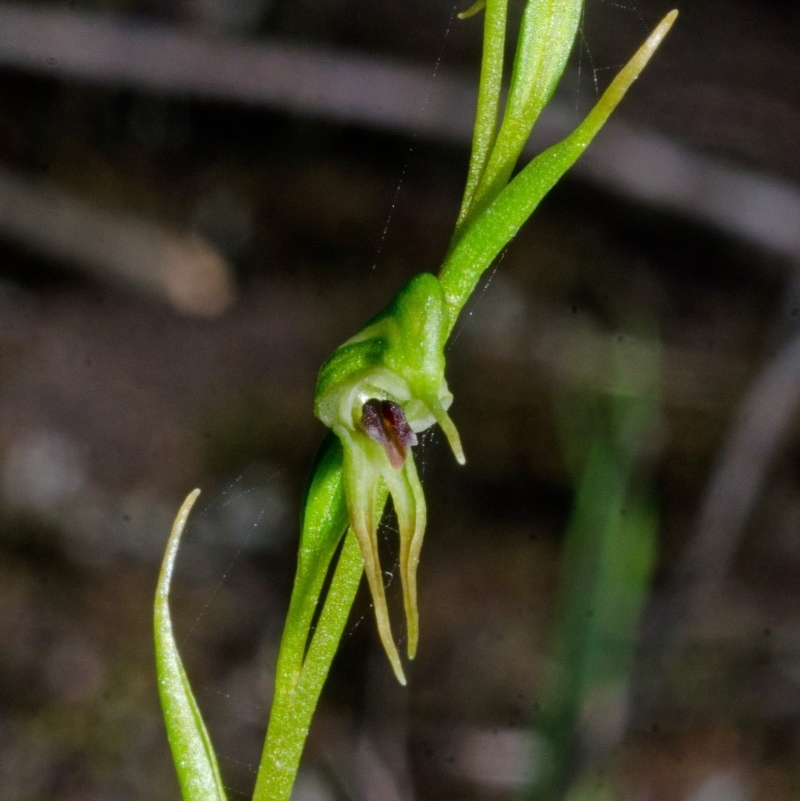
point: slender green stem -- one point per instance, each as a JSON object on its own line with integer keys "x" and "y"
{"x": 304, "y": 659}
{"x": 296, "y": 696}
{"x": 606, "y": 560}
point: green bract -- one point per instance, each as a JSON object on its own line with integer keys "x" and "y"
{"x": 376, "y": 393}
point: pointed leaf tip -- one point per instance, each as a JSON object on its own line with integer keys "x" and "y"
{"x": 192, "y": 752}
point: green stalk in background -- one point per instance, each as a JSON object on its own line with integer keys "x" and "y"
{"x": 382, "y": 388}
{"x": 606, "y": 565}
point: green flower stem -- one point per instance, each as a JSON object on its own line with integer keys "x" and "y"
{"x": 297, "y": 694}
{"x": 498, "y": 223}
{"x": 303, "y": 666}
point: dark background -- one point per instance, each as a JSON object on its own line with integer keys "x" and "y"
{"x": 118, "y": 394}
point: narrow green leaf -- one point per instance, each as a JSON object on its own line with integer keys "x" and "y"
{"x": 192, "y": 752}
{"x": 546, "y": 37}
{"x": 498, "y": 224}
{"x": 488, "y": 106}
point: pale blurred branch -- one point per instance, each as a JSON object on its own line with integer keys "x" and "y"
{"x": 761, "y": 427}
{"x": 181, "y": 268}
{"x": 757, "y": 208}
{"x": 332, "y": 84}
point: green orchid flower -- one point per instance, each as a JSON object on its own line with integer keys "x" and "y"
{"x": 383, "y": 387}
{"x": 376, "y": 392}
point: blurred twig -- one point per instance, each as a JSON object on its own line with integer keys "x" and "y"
{"x": 179, "y": 267}
{"x": 760, "y": 428}
{"x": 743, "y": 204}
{"x": 335, "y": 85}
{"x": 762, "y": 425}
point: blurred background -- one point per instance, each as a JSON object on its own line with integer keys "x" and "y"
{"x": 200, "y": 199}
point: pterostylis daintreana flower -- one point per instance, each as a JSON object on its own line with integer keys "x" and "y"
{"x": 376, "y": 393}
{"x": 383, "y": 387}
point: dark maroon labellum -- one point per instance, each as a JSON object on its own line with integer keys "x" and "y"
{"x": 386, "y": 423}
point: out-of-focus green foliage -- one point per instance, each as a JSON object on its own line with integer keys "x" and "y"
{"x": 607, "y": 561}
